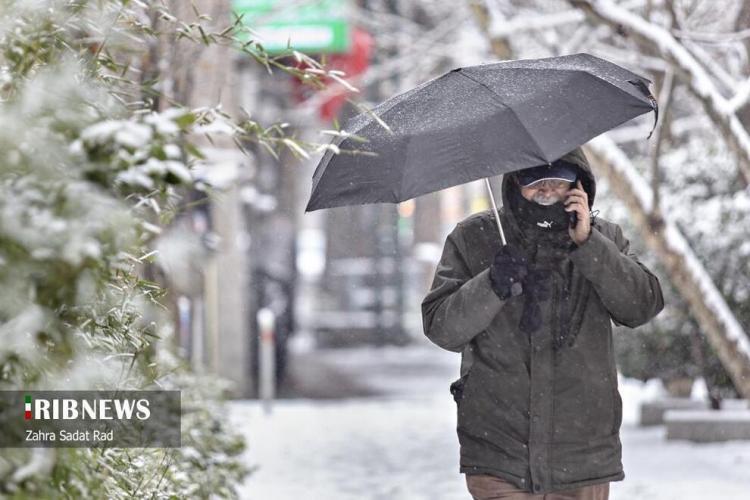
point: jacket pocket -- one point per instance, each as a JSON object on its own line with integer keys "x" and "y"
{"x": 457, "y": 388}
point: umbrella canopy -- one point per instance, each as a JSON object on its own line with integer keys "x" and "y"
{"x": 477, "y": 122}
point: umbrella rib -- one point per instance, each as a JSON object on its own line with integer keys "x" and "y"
{"x": 497, "y": 98}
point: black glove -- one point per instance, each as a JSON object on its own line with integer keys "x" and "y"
{"x": 507, "y": 272}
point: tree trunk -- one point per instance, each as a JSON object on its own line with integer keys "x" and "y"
{"x": 684, "y": 270}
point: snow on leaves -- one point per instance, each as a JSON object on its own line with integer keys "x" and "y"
{"x": 139, "y": 153}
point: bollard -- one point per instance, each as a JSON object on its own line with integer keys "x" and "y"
{"x": 267, "y": 372}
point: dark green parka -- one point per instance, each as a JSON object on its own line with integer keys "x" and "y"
{"x": 542, "y": 418}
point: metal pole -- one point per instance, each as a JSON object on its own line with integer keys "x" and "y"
{"x": 494, "y": 207}
{"x": 267, "y": 324}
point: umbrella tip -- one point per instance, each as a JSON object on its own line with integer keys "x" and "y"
{"x": 652, "y": 100}
{"x": 655, "y": 107}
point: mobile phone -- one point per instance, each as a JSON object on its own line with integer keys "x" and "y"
{"x": 573, "y": 219}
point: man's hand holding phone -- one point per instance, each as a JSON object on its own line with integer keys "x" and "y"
{"x": 577, "y": 203}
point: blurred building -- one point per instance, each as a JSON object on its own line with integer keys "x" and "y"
{"x": 345, "y": 276}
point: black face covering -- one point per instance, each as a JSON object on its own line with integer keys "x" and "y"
{"x": 539, "y": 218}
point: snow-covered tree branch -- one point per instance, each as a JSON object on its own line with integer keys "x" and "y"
{"x": 721, "y": 110}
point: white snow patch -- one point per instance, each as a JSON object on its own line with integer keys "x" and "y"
{"x": 732, "y": 415}
{"x": 124, "y": 132}
{"x": 172, "y": 151}
{"x": 162, "y": 123}
{"x": 135, "y": 177}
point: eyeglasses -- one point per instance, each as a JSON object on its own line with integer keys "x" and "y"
{"x": 550, "y": 183}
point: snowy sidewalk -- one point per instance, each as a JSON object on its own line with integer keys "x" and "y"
{"x": 402, "y": 443}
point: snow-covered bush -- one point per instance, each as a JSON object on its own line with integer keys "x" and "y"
{"x": 89, "y": 173}
{"x": 74, "y": 311}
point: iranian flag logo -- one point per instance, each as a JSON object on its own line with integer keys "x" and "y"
{"x": 27, "y": 407}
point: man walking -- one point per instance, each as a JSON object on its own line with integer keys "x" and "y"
{"x": 539, "y": 412}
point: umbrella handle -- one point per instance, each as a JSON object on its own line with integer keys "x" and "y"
{"x": 494, "y": 208}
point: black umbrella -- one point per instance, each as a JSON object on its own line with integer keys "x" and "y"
{"x": 477, "y": 122}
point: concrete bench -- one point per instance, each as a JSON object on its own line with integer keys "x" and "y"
{"x": 706, "y": 426}
{"x": 735, "y": 404}
{"x": 652, "y": 412}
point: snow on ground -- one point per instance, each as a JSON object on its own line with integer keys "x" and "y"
{"x": 353, "y": 449}
{"x": 402, "y": 443}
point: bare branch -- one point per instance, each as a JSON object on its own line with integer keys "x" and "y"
{"x": 710, "y": 63}
{"x": 699, "y": 82}
{"x": 534, "y": 23}
{"x": 697, "y": 36}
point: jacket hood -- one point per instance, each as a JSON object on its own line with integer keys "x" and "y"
{"x": 575, "y": 157}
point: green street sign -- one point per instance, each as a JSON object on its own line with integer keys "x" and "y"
{"x": 315, "y": 26}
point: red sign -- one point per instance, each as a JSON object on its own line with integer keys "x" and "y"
{"x": 353, "y": 63}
